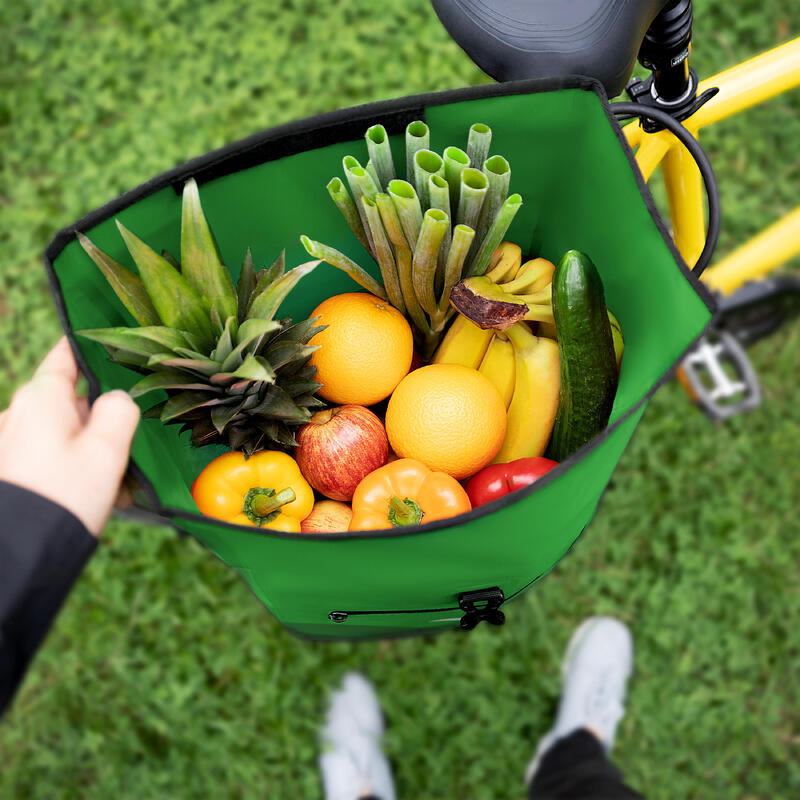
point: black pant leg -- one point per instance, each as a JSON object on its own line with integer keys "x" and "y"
{"x": 43, "y": 549}
{"x": 577, "y": 768}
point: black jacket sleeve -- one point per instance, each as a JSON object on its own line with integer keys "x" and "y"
{"x": 43, "y": 548}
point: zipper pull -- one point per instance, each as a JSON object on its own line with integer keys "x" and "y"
{"x": 481, "y": 605}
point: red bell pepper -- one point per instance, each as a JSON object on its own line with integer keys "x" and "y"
{"x": 498, "y": 480}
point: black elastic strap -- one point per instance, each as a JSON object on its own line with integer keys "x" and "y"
{"x": 628, "y": 110}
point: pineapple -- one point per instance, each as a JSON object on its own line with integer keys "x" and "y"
{"x": 232, "y": 373}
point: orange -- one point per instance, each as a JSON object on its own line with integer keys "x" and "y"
{"x": 364, "y": 352}
{"x": 449, "y": 417}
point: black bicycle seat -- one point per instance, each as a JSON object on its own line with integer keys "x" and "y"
{"x": 513, "y": 39}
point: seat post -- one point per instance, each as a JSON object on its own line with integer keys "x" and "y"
{"x": 665, "y": 51}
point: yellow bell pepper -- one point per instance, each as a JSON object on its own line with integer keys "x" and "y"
{"x": 406, "y": 492}
{"x": 266, "y": 490}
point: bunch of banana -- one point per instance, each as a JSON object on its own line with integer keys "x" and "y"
{"x": 509, "y": 292}
{"x": 525, "y": 370}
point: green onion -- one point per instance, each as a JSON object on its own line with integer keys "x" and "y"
{"x": 380, "y": 154}
{"x": 474, "y": 186}
{"x": 339, "y": 260}
{"x": 495, "y": 235}
{"x": 455, "y": 162}
{"x": 434, "y": 225}
{"x": 359, "y": 182}
{"x": 345, "y": 204}
{"x": 418, "y": 137}
{"x": 426, "y": 163}
{"x": 383, "y": 254}
{"x": 390, "y": 220}
{"x": 498, "y": 174}
{"x": 373, "y": 173}
{"x": 408, "y": 209}
{"x": 462, "y": 241}
{"x": 405, "y": 273}
{"x": 402, "y": 254}
{"x": 480, "y": 138}
{"x": 439, "y": 197}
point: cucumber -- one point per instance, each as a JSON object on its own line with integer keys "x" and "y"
{"x": 586, "y": 351}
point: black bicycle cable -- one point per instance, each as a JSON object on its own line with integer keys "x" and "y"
{"x": 630, "y": 110}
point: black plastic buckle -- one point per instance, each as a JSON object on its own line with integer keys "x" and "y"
{"x": 482, "y": 605}
{"x": 643, "y": 92}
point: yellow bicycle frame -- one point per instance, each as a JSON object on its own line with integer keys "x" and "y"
{"x": 740, "y": 87}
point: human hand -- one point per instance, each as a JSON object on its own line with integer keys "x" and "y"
{"x": 53, "y": 444}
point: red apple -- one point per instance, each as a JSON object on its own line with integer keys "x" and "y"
{"x": 327, "y": 516}
{"x": 339, "y": 447}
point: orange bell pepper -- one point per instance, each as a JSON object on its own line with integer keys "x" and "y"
{"x": 266, "y": 490}
{"x": 406, "y": 492}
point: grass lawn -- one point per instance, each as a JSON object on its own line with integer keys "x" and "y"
{"x": 164, "y": 678}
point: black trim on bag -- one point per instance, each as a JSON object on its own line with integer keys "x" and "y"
{"x": 314, "y": 132}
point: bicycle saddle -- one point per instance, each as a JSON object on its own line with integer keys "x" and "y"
{"x": 513, "y": 39}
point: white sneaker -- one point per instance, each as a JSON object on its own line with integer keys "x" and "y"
{"x": 352, "y": 763}
{"x": 596, "y": 668}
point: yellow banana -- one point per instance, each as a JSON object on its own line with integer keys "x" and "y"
{"x": 505, "y": 262}
{"x": 548, "y": 330}
{"x": 535, "y": 401}
{"x": 464, "y": 343}
{"x": 499, "y": 367}
{"x": 532, "y": 276}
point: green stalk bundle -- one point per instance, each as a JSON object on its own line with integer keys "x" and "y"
{"x": 474, "y": 186}
{"x": 498, "y": 176}
{"x": 418, "y": 137}
{"x": 426, "y": 164}
{"x": 439, "y": 197}
{"x": 425, "y": 233}
{"x": 495, "y": 235}
{"x": 383, "y": 254}
{"x": 434, "y": 225}
{"x": 345, "y": 204}
{"x": 478, "y": 142}
{"x": 455, "y": 162}
{"x": 380, "y": 154}
{"x": 408, "y": 209}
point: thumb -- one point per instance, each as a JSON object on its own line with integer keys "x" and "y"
{"x": 112, "y": 422}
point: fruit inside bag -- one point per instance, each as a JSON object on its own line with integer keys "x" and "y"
{"x": 367, "y": 414}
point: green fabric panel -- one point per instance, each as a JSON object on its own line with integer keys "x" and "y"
{"x": 579, "y": 192}
{"x": 507, "y": 548}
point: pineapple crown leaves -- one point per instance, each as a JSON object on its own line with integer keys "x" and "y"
{"x": 232, "y": 373}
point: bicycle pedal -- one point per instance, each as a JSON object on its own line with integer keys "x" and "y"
{"x": 719, "y": 377}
